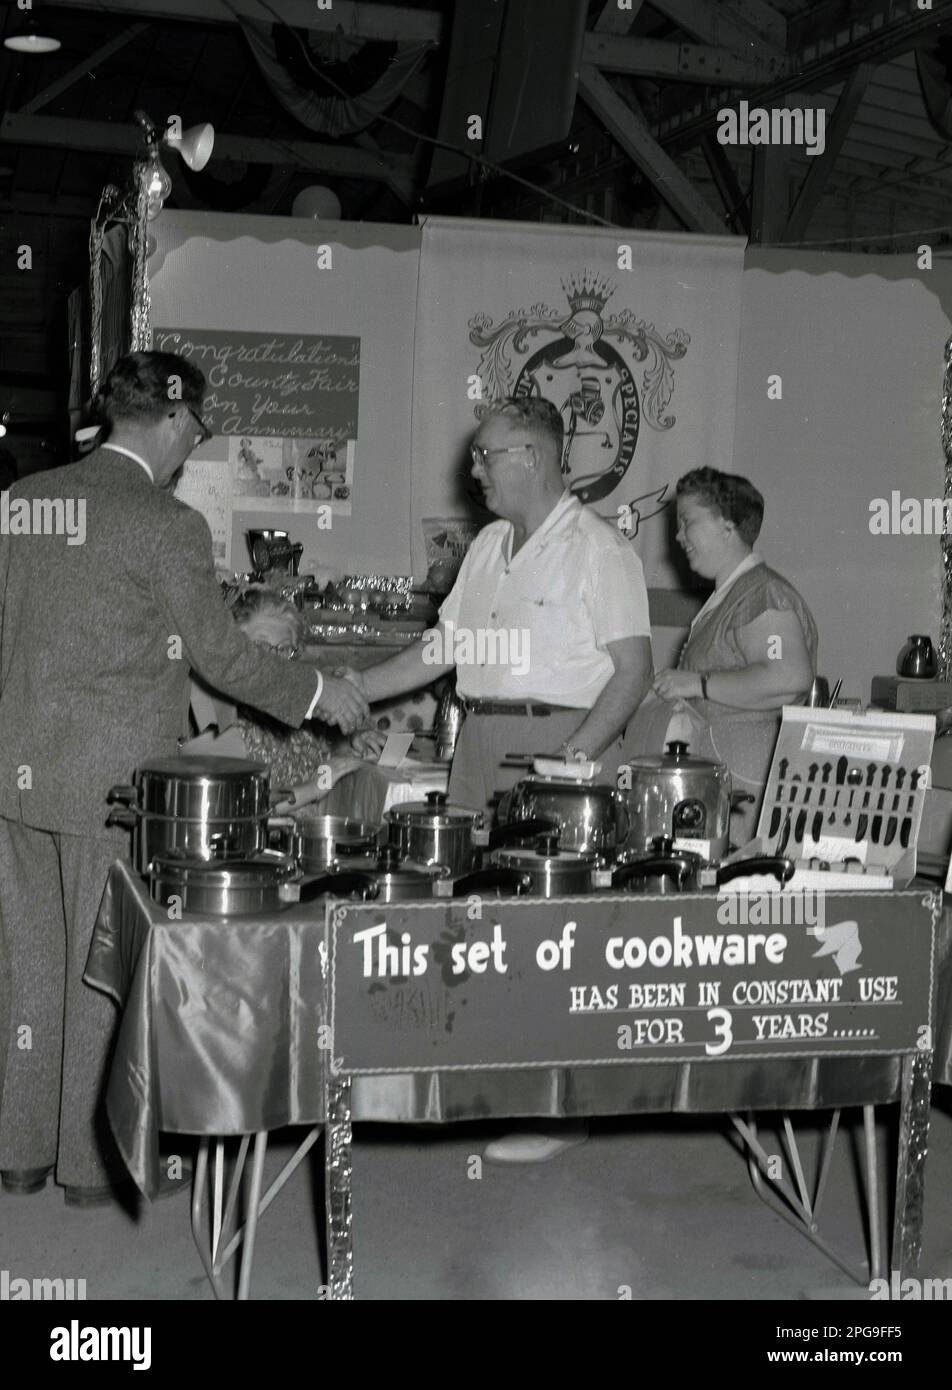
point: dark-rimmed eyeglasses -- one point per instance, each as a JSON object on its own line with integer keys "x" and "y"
{"x": 481, "y": 455}
{"x": 204, "y": 433}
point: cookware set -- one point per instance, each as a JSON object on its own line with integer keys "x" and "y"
{"x": 203, "y": 834}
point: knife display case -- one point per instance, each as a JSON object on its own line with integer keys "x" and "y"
{"x": 845, "y": 796}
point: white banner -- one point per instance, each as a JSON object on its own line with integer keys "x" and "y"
{"x": 633, "y": 335}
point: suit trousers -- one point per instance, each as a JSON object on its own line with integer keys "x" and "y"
{"x": 56, "y": 1029}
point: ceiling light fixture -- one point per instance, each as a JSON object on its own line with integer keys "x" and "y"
{"x": 31, "y": 39}
{"x": 195, "y": 147}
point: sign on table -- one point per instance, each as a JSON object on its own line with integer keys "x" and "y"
{"x": 478, "y": 983}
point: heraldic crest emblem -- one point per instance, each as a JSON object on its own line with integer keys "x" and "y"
{"x": 587, "y": 369}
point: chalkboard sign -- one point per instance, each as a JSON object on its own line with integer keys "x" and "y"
{"x": 273, "y": 384}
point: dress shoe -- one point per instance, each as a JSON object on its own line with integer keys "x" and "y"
{"x": 24, "y": 1180}
{"x": 126, "y": 1191}
{"x": 536, "y": 1147}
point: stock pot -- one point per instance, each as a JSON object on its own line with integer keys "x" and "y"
{"x": 684, "y": 799}
{"x": 589, "y": 817}
{"x": 434, "y": 830}
{"x": 200, "y": 807}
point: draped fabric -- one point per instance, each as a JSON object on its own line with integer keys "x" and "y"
{"x": 220, "y": 1026}
{"x": 332, "y": 115}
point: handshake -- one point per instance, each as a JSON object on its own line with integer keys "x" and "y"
{"x": 343, "y": 700}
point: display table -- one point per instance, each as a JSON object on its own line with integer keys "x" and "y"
{"x": 220, "y": 1036}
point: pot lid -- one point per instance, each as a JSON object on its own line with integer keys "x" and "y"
{"x": 197, "y": 768}
{"x": 266, "y": 869}
{"x": 674, "y": 758}
{"x": 544, "y": 854}
{"x": 435, "y": 813}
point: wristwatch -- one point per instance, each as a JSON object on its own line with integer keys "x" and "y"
{"x": 571, "y": 752}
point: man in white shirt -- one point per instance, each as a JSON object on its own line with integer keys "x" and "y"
{"x": 547, "y": 624}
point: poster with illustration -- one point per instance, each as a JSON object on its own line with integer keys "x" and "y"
{"x": 298, "y": 475}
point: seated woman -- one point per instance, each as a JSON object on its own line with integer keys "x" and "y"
{"x": 308, "y": 762}
{"x": 751, "y": 649}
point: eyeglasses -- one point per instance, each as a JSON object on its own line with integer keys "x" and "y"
{"x": 481, "y": 455}
{"x": 204, "y": 433}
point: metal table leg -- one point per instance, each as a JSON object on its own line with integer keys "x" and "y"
{"x": 910, "y": 1174}
{"x": 337, "y": 1188}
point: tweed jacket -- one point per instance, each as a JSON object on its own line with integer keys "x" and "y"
{"x": 97, "y": 641}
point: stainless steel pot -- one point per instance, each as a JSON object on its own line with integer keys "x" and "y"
{"x": 202, "y": 808}
{"x": 591, "y": 818}
{"x": 233, "y": 888}
{"x": 264, "y": 883}
{"x": 542, "y": 870}
{"x": 319, "y": 842}
{"x": 434, "y": 831}
{"x": 662, "y": 871}
{"x": 684, "y": 799}
{"x": 397, "y": 878}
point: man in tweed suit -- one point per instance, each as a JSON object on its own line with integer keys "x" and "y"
{"x": 99, "y": 629}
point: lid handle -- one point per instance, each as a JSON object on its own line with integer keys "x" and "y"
{"x": 436, "y": 800}
{"x": 548, "y": 844}
{"x": 677, "y": 749}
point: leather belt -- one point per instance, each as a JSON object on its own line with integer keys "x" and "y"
{"x": 525, "y": 707}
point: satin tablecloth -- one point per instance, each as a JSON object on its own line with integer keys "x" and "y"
{"x": 219, "y": 1036}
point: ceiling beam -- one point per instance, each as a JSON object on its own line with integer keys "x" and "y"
{"x": 821, "y": 167}
{"x": 836, "y": 58}
{"x": 353, "y": 17}
{"x": 770, "y": 193}
{"x": 632, "y": 133}
{"x": 88, "y": 65}
{"x": 614, "y": 20}
{"x": 733, "y": 197}
{"x": 104, "y": 137}
{"x": 728, "y": 25}
{"x": 689, "y": 62}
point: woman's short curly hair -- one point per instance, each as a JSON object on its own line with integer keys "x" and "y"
{"x": 731, "y": 496}
{"x": 260, "y": 601}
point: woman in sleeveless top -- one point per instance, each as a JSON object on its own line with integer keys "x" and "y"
{"x": 751, "y": 649}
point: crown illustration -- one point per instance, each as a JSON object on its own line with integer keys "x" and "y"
{"x": 590, "y": 292}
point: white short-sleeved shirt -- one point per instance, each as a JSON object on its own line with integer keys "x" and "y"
{"x": 549, "y": 611}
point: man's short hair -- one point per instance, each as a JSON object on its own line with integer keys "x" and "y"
{"x": 728, "y": 494}
{"x": 142, "y": 386}
{"x": 534, "y": 413}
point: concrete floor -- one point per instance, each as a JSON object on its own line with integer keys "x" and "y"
{"x": 662, "y": 1207}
